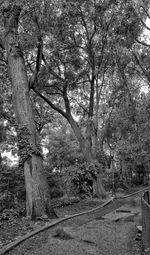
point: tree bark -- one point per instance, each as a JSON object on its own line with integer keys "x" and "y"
{"x": 0, "y": 162}
{"x": 145, "y": 202}
{"x": 37, "y": 190}
{"x": 98, "y": 188}
{"x": 86, "y": 148}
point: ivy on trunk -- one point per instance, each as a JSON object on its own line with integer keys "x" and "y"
{"x": 38, "y": 201}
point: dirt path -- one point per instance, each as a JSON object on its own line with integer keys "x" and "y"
{"x": 87, "y": 234}
{"x": 95, "y": 237}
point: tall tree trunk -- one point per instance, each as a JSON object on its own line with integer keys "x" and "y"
{"x": 37, "y": 191}
{"x": 86, "y": 148}
{"x": 0, "y": 162}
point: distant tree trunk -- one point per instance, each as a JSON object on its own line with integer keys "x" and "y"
{"x": 98, "y": 188}
{"x": 0, "y": 162}
{"x": 37, "y": 191}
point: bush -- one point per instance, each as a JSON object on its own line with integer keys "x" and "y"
{"x": 83, "y": 179}
{"x": 56, "y": 192}
{"x": 55, "y": 185}
{"x": 12, "y": 187}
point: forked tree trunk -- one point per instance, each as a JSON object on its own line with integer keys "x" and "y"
{"x": 37, "y": 190}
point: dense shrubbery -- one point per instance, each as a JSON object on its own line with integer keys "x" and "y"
{"x": 56, "y": 192}
{"x": 12, "y": 193}
{"x": 83, "y": 178}
{"x": 55, "y": 184}
{"x": 12, "y": 188}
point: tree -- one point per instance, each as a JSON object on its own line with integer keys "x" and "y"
{"x": 85, "y": 43}
{"x": 37, "y": 192}
{"x": 62, "y": 146}
{"x": 76, "y": 55}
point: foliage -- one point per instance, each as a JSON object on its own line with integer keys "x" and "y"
{"x": 129, "y": 134}
{"x": 56, "y": 184}
{"x": 12, "y": 187}
{"x": 63, "y": 149}
{"x": 25, "y": 145}
{"x": 83, "y": 178}
{"x": 83, "y": 42}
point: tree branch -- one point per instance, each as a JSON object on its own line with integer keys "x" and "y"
{"x": 142, "y": 43}
{"x": 92, "y": 92}
{"x": 9, "y": 118}
{"x": 144, "y": 24}
{"x": 50, "y": 69}
{"x": 148, "y": 15}
{"x": 94, "y": 31}
{"x": 53, "y": 106}
{"x": 2, "y": 44}
{"x": 102, "y": 83}
{"x": 53, "y": 86}
{"x": 66, "y": 100}
{"x": 79, "y": 104}
{"x": 140, "y": 65}
{"x": 84, "y": 23}
{"x": 3, "y": 60}
{"x": 33, "y": 78}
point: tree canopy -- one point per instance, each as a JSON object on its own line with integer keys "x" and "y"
{"x": 85, "y": 65}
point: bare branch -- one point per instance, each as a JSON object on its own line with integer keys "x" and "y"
{"x": 84, "y": 23}
{"x": 3, "y": 60}
{"x": 53, "y": 86}
{"x": 94, "y": 31}
{"x": 29, "y": 64}
{"x": 53, "y": 106}
{"x": 33, "y": 78}
{"x": 143, "y": 23}
{"x": 143, "y": 43}
{"x": 2, "y": 44}
{"x": 148, "y": 15}
{"x": 50, "y": 69}
{"x": 53, "y": 93}
{"x": 9, "y": 118}
{"x": 74, "y": 99}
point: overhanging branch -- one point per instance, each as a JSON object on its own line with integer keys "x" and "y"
{"x": 143, "y": 23}
{"x": 143, "y": 43}
{"x": 148, "y": 15}
{"x": 53, "y": 106}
